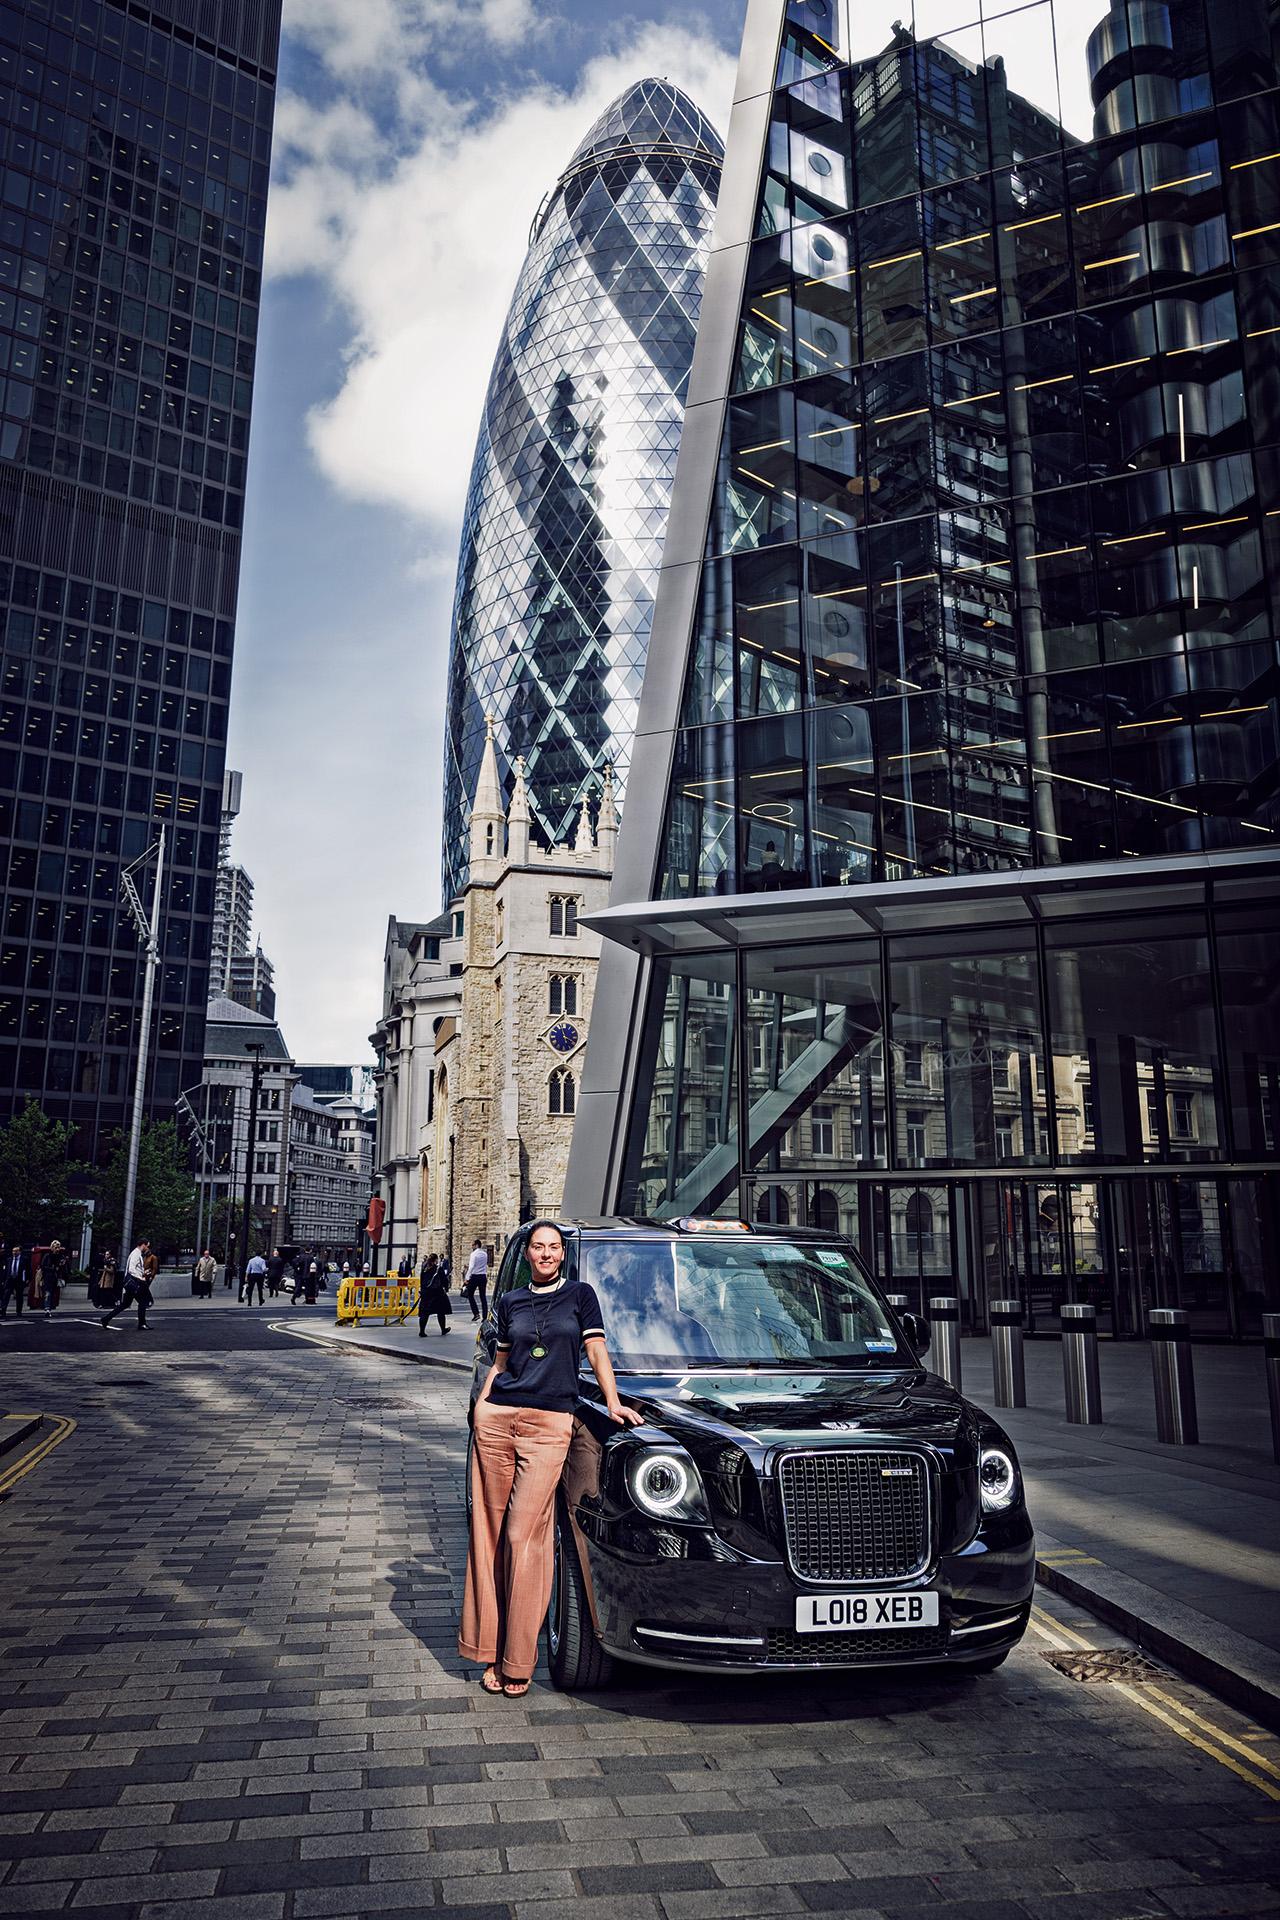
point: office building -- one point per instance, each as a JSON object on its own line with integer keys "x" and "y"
{"x": 251, "y": 979}
{"x": 571, "y": 482}
{"x": 946, "y": 906}
{"x": 328, "y": 1197}
{"x": 130, "y": 277}
{"x": 235, "y": 1037}
{"x": 232, "y": 924}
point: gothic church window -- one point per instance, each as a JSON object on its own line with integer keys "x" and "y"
{"x": 562, "y": 1092}
{"x": 563, "y": 997}
{"x": 564, "y": 915}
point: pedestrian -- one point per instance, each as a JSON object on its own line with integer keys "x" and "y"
{"x": 137, "y": 1287}
{"x": 477, "y": 1280}
{"x": 152, "y": 1264}
{"x": 523, "y": 1423}
{"x": 54, "y": 1270}
{"x": 104, "y": 1288}
{"x": 206, "y": 1273}
{"x": 13, "y": 1284}
{"x": 275, "y": 1272}
{"x": 254, "y": 1275}
{"x": 433, "y": 1297}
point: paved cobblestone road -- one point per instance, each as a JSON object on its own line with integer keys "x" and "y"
{"x": 229, "y": 1692}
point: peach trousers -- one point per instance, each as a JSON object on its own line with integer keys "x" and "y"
{"x": 518, "y": 1455}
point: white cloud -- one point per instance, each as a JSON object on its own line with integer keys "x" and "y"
{"x": 418, "y": 233}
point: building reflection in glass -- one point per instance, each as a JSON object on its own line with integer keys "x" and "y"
{"x": 989, "y": 589}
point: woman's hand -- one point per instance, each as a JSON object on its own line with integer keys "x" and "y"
{"x": 625, "y": 1416}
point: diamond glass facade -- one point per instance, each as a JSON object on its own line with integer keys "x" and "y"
{"x": 137, "y": 144}
{"x": 962, "y": 891}
{"x": 571, "y": 483}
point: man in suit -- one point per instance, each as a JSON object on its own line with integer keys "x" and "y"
{"x": 13, "y": 1280}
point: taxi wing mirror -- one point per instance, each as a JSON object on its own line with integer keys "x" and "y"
{"x": 916, "y": 1329}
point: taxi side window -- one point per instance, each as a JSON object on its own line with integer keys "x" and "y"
{"x": 514, "y": 1270}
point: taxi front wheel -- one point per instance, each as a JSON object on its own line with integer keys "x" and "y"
{"x": 575, "y": 1658}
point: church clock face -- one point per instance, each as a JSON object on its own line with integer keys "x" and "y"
{"x": 563, "y": 1036}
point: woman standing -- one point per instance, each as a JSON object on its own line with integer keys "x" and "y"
{"x": 522, "y": 1427}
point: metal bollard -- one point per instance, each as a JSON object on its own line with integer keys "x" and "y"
{"x": 900, "y": 1302}
{"x": 944, "y": 1323}
{"x": 1170, "y": 1331}
{"x": 1007, "y": 1363}
{"x": 1271, "y": 1352}
{"x": 1080, "y": 1365}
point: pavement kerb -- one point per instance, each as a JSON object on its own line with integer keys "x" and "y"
{"x": 1237, "y": 1669}
{"x": 353, "y": 1345}
{"x": 17, "y": 1428}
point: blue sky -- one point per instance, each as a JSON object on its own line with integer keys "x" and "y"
{"x": 415, "y": 139}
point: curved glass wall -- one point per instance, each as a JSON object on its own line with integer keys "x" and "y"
{"x": 571, "y": 483}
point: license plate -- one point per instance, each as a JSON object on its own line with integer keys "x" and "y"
{"x": 864, "y": 1612}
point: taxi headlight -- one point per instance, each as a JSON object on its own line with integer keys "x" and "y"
{"x": 665, "y": 1484}
{"x": 997, "y": 1479}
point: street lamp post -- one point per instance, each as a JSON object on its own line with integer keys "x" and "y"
{"x": 149, "y": 933}
{"x": 255, "y": 1047}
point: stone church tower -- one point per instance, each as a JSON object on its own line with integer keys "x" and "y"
{"x": 485, "y": 1026}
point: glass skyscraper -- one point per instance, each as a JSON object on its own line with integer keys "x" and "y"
{"x": 567, "y": 506}
{"x": 137, "y": 142}
{"x": 952, "y": 862}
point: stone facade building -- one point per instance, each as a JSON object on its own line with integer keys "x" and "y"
{"x": 486, "y": 1013}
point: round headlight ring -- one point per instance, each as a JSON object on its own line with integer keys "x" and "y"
{"x": 660, "y": 1482}
{"x": 997, "y": 1479}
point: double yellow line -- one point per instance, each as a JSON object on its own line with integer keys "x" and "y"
{"x": 1253, "y": 1768}
{"x": 62, "y": 1428}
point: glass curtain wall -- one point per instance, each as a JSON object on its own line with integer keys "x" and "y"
{"x": 990, "y": 570}
{"x": 131, "y": 243}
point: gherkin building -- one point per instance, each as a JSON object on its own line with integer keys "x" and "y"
{"x": 571, "y": 483}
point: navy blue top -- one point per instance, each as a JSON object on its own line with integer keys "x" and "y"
{"x": 556, "y": 1319}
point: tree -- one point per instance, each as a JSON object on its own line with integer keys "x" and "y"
{"x": 35, "y": 1172}
{"x": 164, "y": 1205}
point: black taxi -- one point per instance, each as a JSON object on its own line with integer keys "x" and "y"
{"x": 804, "y": 1493}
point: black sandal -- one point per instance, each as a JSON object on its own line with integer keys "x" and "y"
{"x": 516, "y": 1689}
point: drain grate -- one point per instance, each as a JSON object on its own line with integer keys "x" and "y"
{"x": 125, "y": 1381}
{"x": 1108, "y": 1666}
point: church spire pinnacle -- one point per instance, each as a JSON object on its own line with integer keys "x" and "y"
{"x": 488, "y": 816}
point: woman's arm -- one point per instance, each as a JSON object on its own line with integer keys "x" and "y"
{"x": 602, "y": 1367}
{"x": 499, "y": 1366}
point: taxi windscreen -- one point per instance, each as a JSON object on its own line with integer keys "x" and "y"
{"x": 735, "y": 1302}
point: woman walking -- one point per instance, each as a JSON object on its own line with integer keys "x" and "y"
{"x": 522, "y": 1427}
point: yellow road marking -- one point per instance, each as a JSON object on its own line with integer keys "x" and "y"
{"x": 1066, "y": 1639}
{"x": 62, "y": 1428}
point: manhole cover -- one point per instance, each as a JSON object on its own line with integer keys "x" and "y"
{"x": 1113, "y": 1665}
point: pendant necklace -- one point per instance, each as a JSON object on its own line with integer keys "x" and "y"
{"x": 538, "y": 1351}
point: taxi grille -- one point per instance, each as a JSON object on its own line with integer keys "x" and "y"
{"x": 851, "y": 1648}
{"x": 855, "y": 1515}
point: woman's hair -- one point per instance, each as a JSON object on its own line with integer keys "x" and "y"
{"x": 552, "y": 1226}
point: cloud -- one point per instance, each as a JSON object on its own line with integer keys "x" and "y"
{"x": 417, "y": 225}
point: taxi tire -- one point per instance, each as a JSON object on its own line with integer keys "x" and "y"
{"x": 575, "y": 1659}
